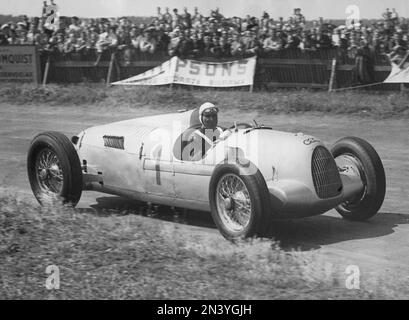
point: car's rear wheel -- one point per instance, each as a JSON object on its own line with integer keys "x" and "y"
{"x": 54, "y": 169}
{"x": 239, "y": 202}
{"x": 359, "y": 156}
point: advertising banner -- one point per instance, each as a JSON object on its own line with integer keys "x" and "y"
{"x": 198, "y": 73}
{"x": 160, "y": 75}
{"x": 19, "y": 63}
{"x": 399, "y": 74}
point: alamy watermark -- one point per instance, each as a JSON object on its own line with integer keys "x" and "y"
{"x": 53, "y": 280}
{"x": 353, "y": 279}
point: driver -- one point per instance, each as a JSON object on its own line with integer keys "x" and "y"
{"x": 204, "y": 138}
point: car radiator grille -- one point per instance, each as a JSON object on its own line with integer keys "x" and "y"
{"x": 327, "y": 181}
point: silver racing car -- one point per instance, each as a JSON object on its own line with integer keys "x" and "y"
{"x": 246, "y": 180}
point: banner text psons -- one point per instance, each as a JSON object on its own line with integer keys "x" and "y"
{"x": 197, "y": 73}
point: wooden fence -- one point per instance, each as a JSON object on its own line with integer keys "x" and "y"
{"x": 285, "y": 69}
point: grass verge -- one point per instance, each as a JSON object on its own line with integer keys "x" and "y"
{"x": 361, "y": 103}
{"x": 125, "y": 256}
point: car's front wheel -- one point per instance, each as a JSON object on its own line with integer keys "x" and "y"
{"x": 360, "y": 157}
{"x": 239, "y": 202}
{"x": 54, "y": 169}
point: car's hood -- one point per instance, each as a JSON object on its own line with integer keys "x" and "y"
{"x": 129, "y": 127}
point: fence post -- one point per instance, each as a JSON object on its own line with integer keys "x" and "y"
{"x": 47, "y": 68}
{"x": 111, "y": 66}
{"x": 118, "y": 69}
{"x": 333, "y": 74}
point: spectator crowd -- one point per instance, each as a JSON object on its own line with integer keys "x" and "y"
{"x": 195, "y": 36}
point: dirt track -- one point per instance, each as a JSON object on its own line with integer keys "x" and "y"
{"x": 379, "y": 246}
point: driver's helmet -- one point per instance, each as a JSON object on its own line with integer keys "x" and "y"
{"x": 206, "y": 109}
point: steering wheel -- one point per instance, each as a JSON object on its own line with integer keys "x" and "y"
{"x": 246, "y": 125}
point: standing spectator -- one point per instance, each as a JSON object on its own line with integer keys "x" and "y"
{"x": 298, "y": 17}
{"x": 186, "y": 19}
{"x": 207, "y": 46}
{"x": 236, "y": 46}
{"x": 265, "y": 20}
{"x": 364, "y": 64}
{"x": 33, "y": 34}
{"x": 75, "y": 26}
{"x": 197, "y": 18}
{"x": 44, "y": 10}
{"x": 293, "y": 41}
{"x": 107, "y": 41}
{"x": 323, "y": 41}
{"x": 148, "y": 42}
{"x": 22, "y": 35}
{"x": 226, "y": 47}
{"x": 198, "y": 46}
{"x": 307, "y": 42}
{"x": 103, "y": 41}
{"x": 13, "y": 40}
{"x": 176, "y": 19}
{"x": 250, "y": 43}
{"x": 3, "y": 39}
{"x": 112, "y": 37}
{"x": 167, "y": 16}
{"x": 216, "y": 15}
{"x": 50, "y": 48}
{"x": 124, "y": 43}
{"x": 92, "y": 38}
{"x": 352, "y": 49}
{"x": 5, "y": 32}
{"x": 185, "y": 46}
{"x": 221, "y": 48}
{"x": 387, "y": 15}
{"x": 159, "y": 15}
{"x": 394, "y": 16}
{"x": 135, "y": 39}
{"x": 174, "y": 41}
{"x": 217, "y": 49}
{"x": 69, "y": 45}
{"x": 60, "y": 42}
{"x": 163, "y": 41}
{"x": 81, "y": 46}
{"x": 272, "y": 43}
{"x": 336, "y": 38}
{"x": 397, "y": 40}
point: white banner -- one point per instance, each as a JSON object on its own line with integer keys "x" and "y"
{"x": 399, "y": 74}
{"x": 159, "y": 75}
{"x": 197, "y": 73}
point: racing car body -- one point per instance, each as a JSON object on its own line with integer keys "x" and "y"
{"x": 253, "y": 175}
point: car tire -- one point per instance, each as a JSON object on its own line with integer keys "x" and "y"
{"x": 254, "y": 192}
{"x": 372, "y": 172}
{"x": 54, "y": 169}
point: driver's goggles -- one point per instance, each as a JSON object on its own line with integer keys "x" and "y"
{"x": 210, "y": 111}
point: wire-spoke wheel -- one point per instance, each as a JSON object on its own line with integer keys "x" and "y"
{"x": 239, "y": 202}
{"x": 49, "y": 173}
{"x": 233, "y": 202}
{"x": 54, "y": 169}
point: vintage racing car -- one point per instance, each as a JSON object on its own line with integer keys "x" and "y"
{"x": 256, "y": 174}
